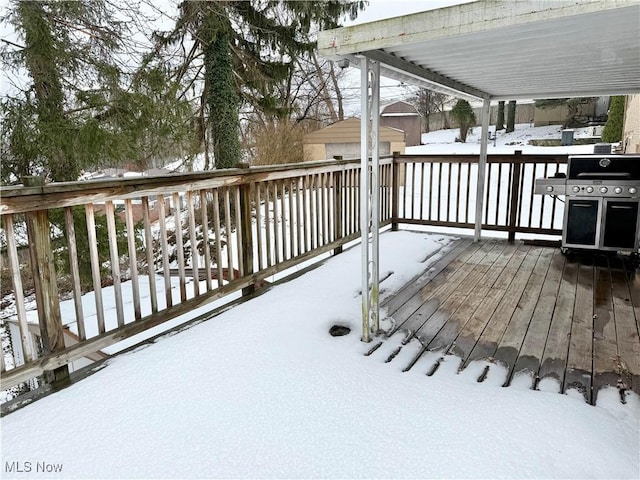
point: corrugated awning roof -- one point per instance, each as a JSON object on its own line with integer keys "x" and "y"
{"x": 504, "y": 50}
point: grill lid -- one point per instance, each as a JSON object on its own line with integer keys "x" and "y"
{"x": 604, "y": 167}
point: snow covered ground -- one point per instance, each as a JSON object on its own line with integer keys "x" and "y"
{"x": 443, "y": 141}
{"x": 262, "y": 391}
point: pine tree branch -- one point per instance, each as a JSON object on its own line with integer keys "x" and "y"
{"x": 22, "y": 47}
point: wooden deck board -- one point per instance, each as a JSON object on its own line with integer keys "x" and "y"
{"x": 580, "y": 359}
{"x": 514, "y": 334}
{"x": 488, "y": 342}
{"x": 626, "y": 327}
{"x": 536, "y": 338}
{"x": 554, "y": 358}
{"x": 633, "y": 279}
{"x": 605, "y": 348}
{"x": 435, "y": 313}
{"x": 477, "y": 278}
{"x": 532, "y": 309}
{"x": 473, "y": 298}
{"x": 472, "y": 330}
{"x": 450, "y": 259}
{"x": 423, "y": 303}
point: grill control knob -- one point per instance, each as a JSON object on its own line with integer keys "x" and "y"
{"x": 576, "y": 189}
{"x": 632, "y": 190}
{"x": 549, "y": 188}
{"x": 604, "y": 189}
{"x": 618, "y": 189}
{"x": 589, "y": 189}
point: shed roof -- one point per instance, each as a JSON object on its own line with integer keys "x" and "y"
{"x": 504, "y": 49}
{"x": 398, "y": 107}
{"x": 348, "y": 131}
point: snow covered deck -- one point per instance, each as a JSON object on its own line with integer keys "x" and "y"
{"x": 522, "y": 314}
{"x": 263, "y": 391}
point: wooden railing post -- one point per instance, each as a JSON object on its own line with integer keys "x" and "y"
{"x": 44, "y": 278}
{"x": 337, "y": 207}
{"x": 515, "y": 195}
{"x": 245, "y": 225}
{"x": 395, "y": 191}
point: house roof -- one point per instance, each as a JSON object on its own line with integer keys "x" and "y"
{"x": 504, "y": 50}
{"x": 348, "y": 131}
{"x": 398, "y": 108}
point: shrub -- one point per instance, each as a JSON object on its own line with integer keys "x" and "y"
{"x": 612, "y": 131}
{"x": 463, "y": 114}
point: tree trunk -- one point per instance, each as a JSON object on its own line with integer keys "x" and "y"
{"x": 500, "y": 119}
{"x": 336, "y": 88}
{"x": 426, "y": 106}
{"x": 222, "y": 98}
{"x": 511, "y": 116}
{"x": 323, "y": 88}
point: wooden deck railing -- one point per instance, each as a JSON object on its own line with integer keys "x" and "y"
{"x": 189, "y": 238}
{"x": 164, "y": 246}
{"x": 440, "y": 190}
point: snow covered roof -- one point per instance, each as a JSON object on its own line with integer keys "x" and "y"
{"x": 504, "y": 50}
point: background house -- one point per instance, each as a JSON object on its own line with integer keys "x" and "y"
{"x": 343, "y": 138}
{"x": 403, "y": 116}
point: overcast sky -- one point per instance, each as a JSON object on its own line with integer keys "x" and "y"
{"x": 380, "y": 9}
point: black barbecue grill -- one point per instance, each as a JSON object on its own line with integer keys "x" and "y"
{"x": 601, "y": 202}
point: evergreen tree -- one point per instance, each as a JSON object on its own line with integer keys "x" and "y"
{"x": 500, "y": 119}
{"x": 40, "y": 123}
{"x": 612, "y": 131}
{"x": 511, "y": 116}
{"x": 82, "y": 106}
{"x": 76, "y": 105}
{"x": 263, "y": 40}
{"x": 463, "y": 114}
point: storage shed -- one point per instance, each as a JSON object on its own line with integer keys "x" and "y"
{"x": 343, "y": 138}
{"x": 405, "y": 117}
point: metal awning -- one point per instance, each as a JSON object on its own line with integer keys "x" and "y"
{"x": 504, "y": 50}
{"x": 489, "y": 50}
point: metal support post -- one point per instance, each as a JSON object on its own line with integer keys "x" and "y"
{"x": 369, "y": 194}
{"x": 482, "y": 168}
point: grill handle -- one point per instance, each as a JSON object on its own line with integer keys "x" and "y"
{"x": 582, "y": 205}
{"x": 621, "y": 207}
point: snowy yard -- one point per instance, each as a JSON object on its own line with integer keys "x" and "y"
{"x": 443, "y": 141}
{"x": 262, "y": 391}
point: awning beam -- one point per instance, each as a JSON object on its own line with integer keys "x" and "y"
{"x": 399, "y": 65}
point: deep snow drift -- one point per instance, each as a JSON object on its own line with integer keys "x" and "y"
{"x": 262, "y": 391}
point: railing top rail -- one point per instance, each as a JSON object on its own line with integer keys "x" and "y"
{"x": 491, "y": 158}
{"x": 20, "y": 199}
